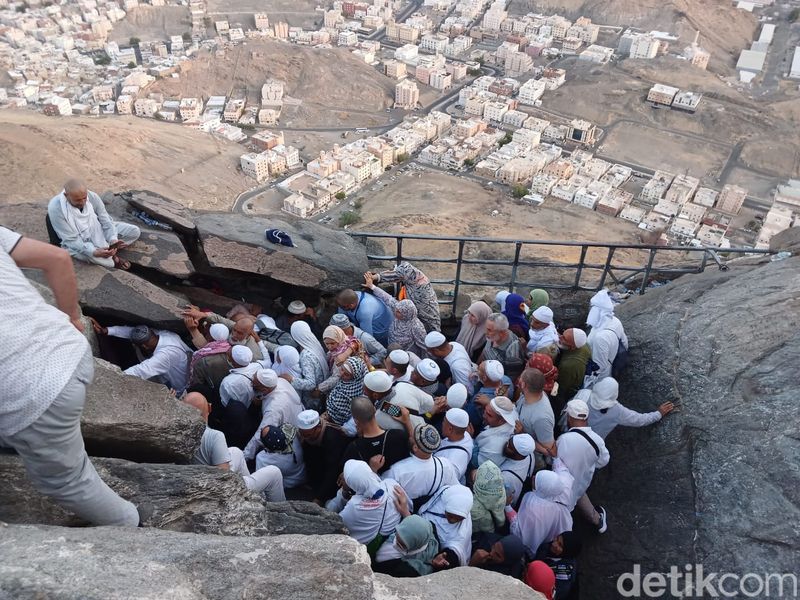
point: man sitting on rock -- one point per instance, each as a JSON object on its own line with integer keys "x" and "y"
{"x": 79, "y": 218}
{"x": 214, "y": 452}
{"x": 167, "y": 355}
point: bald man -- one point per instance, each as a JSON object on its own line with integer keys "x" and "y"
{"x": 79, "y": 218}
{"x": 214, "y": 452}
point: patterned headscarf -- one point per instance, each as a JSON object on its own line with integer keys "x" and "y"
{"x": 407, "y": 331}
{"x": 488, "y": 508}
{"x": 341, "y": 396}
{"x": 544, "y": 363}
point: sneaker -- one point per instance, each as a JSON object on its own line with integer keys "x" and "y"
{"x": 602, "y": 526}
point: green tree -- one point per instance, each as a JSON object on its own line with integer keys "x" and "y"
{"x": 21, "y": 8}
{"x": 134, "y": 41}
{"x": 131, "y": 65}
{"x": 358, "y": 204}
{"x": 519, "y": 191}
{"x": 469, "y": 162}
{"x": 340, "y": 195}
{"x": 506, "y": 139}
{"x": 349, "y": 217}
{"x": 402, "y": 157}
{"x": 102, "y": 59}
{"x": 187, "y": 37}
{"x": 474, "y": 72}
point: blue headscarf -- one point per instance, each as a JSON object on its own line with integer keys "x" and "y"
{"x": 515, "y": 313}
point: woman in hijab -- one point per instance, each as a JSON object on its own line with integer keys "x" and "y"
{"x": 418, "y": 289}
{"x": 349, "y": 385}
{"x": 407, "y": 331}
{"x": 515, "y": 312}
{"x": 339, "y": 346}
{"x": 605, "y": 411}
{"x": 472, "y": 334}
{"x": 410, "y": 550}
{"x": 499, "y": 554}
{"x": 287, "y": 360}
{"x": 541, "y": 578}
{"x": 561, "y": 555}
{"x": 601, "y": 316}
{"x": 488, "y": 508}
{"x": 538, "y": 297}
{"x": 313, "y": 365}
{"x": 544, "y": 363}
{"x": 543, "y": 513}
{"x": 366, "y": 504}
{"x": 449, "y": 512}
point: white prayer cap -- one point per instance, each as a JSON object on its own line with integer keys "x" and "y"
{"x": 399, "y": 357}
{"x": 267, "y": 378}
{"x": 296, "y": 307}
{"x": 434, "y": 339}
{"x": 494, "y": 369}
{"x": 547, "y": 484}
{"x": 505, "y": 408}
{"x": 428, "y": 369}
{"x": 543, "y": 314}
{"x": 457, "y": 417}
{"x": 578, "y": 409}
{"x": 308, "y": 419}
{"x": 457, "y": 395}
{"x": 219, "y": 333}
{"x": 378, "y": 381}
{"x": 579, "y": 335}
{"x": 524, "y": 444}
{"x": 242, "y": 355}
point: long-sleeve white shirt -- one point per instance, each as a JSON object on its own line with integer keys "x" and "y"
{"x": 540, "y": 520}
{"x": 410, "y": 396}
{"x": 420, "y": 477}
{"x": 281, "y": 405}
{"x": 604, "y": 423}
{"x": 460, "y": 364}
{"x": 605, "y": 345}
{"x": 575, "y": 452}
{"x": 238, "y": 385}
{"x": 491, "y": 442}
{"x": 169, "y": 363}
{"x": 458, "y": 453}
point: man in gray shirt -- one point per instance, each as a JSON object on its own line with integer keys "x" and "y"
{"x": 535, "y": 413}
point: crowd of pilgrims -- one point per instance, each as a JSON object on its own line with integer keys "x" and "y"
{"x": 437, "y": 453}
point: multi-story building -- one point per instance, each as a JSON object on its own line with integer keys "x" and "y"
{"x": 517, "y": 63}
{"x": 190, "y": 109}
{"x": 272, "y": 93}
{"x": 234, "y": 109}
{"x": 614, "y": 202}
{"x": 705, "y": 197}
{"x": 654, "y": 189}
{"x": 267, "y": 140}
{"x": 441, "y": 80}
{"x": 730, "y": 199}
{"x": 662, "y": 94}
{"x": 406, "y": 94}
{"x": 146, "y": 107}
{"x": 57, "y": 107}
{"x": 560, "y": 168}
{"x": 290, "y": 154}
{"x": 347, "y": 38}
{"x": 261, "y": 21}
{"x": 395, "y": 69}
{"x": 494, "y": 111}
{"x": 582, "y": 132}
{"x": 125, "y": 104}
{"x": 434, "y": 43}
{"x": 682, "y": 189}
{"x": 102, "y": 93}
{"x": 408, "y": 54}
{"x": 778, "y": 218}
{"x": 255, "y": 165}
{"x": 531, "y": 92}
{"x": 495, "y": 16}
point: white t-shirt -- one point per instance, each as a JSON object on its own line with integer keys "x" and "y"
{"x": 40, "y": 350}
{"x": 459, "y": 453}
{"x": 213, "y": 449}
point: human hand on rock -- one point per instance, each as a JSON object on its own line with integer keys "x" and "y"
{"x": 99, "y": 329}
{"x": 666, "y": 408}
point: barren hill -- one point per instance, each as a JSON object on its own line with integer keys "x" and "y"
{"x": 152, "y": 23}
{"x": 724, "y": 30}
{"x": 40, "y": 153}
{"x": 327, "y": 83}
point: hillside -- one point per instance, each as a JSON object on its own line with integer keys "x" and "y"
{"x": 315, "y": 78}
{"x": 152, "y": 23}
{"x": 116, "y": 153}
{"x": 724, "y": 30}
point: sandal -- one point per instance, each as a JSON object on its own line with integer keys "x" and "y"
{"x": 121, "y": 263}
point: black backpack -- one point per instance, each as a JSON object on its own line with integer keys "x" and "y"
{"x": 51, "y": 232}
{"x": 276, "y": 336}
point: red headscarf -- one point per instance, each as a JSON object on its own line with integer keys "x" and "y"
{"x": 544, "y": 363}
{"x": 541, "y": 578}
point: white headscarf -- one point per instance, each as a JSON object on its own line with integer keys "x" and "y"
{"x": 360, "y": 478}
{"x": 456, "y": 500}
{"x": 500, "y": 298}
{"x": 604, "y": 394}
{"x": 84, "y": 221}
{"x": 601, "y": 311}
{"x": 289, "y": 359}
{"x": 371, "y": 510}
{"x": 301, "y": 333}
{"x": 548, "y": 485}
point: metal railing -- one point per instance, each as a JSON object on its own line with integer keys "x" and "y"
{"x": 606, "y": 268}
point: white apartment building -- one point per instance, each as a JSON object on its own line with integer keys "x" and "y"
{"x": 494, "y": 111}
{"x": 731, "y": 198}
{"x": 406, "y": 94}
{"x": 531, "y": 92}
{"x": 517, "y": 63}
{"x": 125, "y": 104}
{"x": 441, "y": 80}
{"x": 272, "y": 93}
{"x": 434, "y": 43}
{"x": 102, "y": 93}
{"x": 347, "y": 38}
{"x": 255, "y": 165}
{"x": 146, "y": 107}
{"x": 190, "y": 109}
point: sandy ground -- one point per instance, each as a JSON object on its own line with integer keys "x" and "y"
{"x": 152, "y": 23}
{"x": 116, "y": 153}
{"x": 442, "y": 204}
{"x": 299, "y": 13}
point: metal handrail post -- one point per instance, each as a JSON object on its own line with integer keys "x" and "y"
{"x": 704, "y": 261}
{"x": 457, "y": 283}
{"x": 515, "y": 266}
{"x": 579, "y": 272}
{"x": 647, "y": 271}
{"x": 606, "y": 268}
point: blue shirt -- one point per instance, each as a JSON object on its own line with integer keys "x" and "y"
{"x": 371, "y": 315}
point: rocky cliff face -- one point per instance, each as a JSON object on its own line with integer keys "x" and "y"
{"x": 717, "y": 483}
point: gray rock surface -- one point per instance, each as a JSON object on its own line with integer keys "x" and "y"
{"x": 188, "y": 498}
{"x": 128, "y": 417}
{"x": 717, "y": 483}
{"x": 324, "y": 259}
{"x": 788, "y": 239}
{"x": 162, "y": 209}
{"x": 112, "y": 563}
{"x": 463, "y": 583}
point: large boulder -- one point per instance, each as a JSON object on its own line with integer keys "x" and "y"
{"x": 161, "y": 209}
{"x": 195, "y": 499}
{"x": 324, "y": 260}
{"x": 128, "y": 417}
{"x": 717, "y": 483}
{"x": 462, "y": 583}
{"x": 114, "y": 563}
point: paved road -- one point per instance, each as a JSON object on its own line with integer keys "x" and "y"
{"x": 399, "y": 18}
